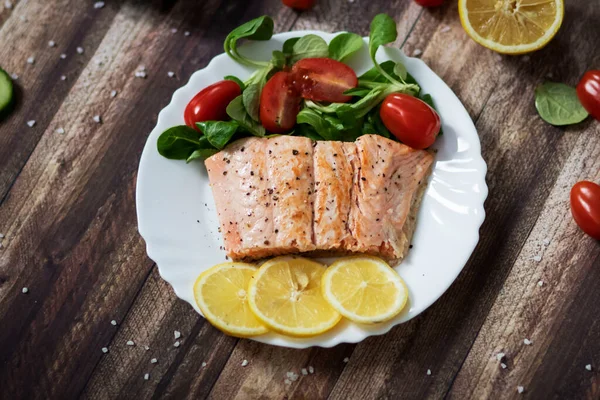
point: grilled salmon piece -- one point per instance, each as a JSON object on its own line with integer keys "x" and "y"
{"x": 291, "y": 185}
{"x": 238, "y": 177}
{"x": 387, "y": 176}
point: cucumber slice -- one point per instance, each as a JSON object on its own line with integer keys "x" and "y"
{"x": 6, "y": 90}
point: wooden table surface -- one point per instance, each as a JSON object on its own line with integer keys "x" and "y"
{"x": 67, "y": 213}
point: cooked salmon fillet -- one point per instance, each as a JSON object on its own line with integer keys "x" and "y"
{"x": 289, "y": 194}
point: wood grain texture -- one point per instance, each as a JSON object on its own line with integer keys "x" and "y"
{"x": 67, "y": 210}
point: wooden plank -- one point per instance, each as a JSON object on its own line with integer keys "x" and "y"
{"x": 39, "y": 89}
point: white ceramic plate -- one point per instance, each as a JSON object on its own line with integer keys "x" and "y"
{"x": 177, "y": 218}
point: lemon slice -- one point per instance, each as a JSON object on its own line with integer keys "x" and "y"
{"x": 220, "y": 292}
{"x": 364, "y": 289}
{"x": 511, "y": 26}
{"x": 285, "y": 294}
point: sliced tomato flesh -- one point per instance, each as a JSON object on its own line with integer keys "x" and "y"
{"x": 323, "y": 79}
{"x": 279, "y": 103}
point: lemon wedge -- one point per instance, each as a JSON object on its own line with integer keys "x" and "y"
{"x": 285, "y": 294}
{"x": 511, "y": 26}
{"x": 220, "y": 292}
{"x": 364, "y": 289}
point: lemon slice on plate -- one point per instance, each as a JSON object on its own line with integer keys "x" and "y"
{"x": 285, "y": 294}
{"x": 220, "y": 292}
{"x": 364, "y": 289}
{"x": 511, "y": 26}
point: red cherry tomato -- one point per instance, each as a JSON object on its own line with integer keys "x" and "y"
{"x": 411, "y": 120}
{"x": 588, "y": 91}
{"x": 324, "y": 79}
{"x": 430, "y": 3}
{"x": 301, "y": 5}
{"x": 585, "y": 207}
{"x": 279, "y": 103}
{"x": 210, "y": 103}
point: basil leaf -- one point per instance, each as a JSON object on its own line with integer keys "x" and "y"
{"x": 279, "y": 59}
{"x": 429, "y": 100}
{"x": 237, "y": 112}
{"x": 344, "y": 45}
{"x": 178, "y": 142}
{"x": 236, "y": 80}
{"x": 251, "y": 100}
{"x": 327, "y": 129}
{"x": 400, "y": 71}
{"x": 202, "y": 154}
{"x": 218, "y": 133}
{"x": 558, "y": 104}
{"x": 288, "y": 45}
{"x": 260, "y": 28}
{"x": 309, "y": 46}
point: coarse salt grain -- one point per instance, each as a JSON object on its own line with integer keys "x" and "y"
{"x": 428, "y": 372}
{"x": 186, "y": 33}
{"x": 546, "y": 242}
{"x": 445, "y": 29}
{"x": 346, "y": 359}
{"x": 173, "y": 30}
{"x": 171, "y": 74}
{"x": 146, "y": 377}
{"x": 537, "y": 258}
{"x": 304, "y": 371}
{"x": 500, "y": 356}
{"x": 287, "y": 382}
{"x": 31, "y": 123}
{"x": 1, "y": 236}
{"x": 97, "y": 119}
{"x": 588, "y": 367}
{"x": 244, "y": 363}
{"x": 31, "y": 60}
{"x": 292, "y": 376}
{"x": 130, "y": 343}
{"x": 540, "y": 283}
{"x": 113, "y": 93}
{"x": 311, "y": 370}
{"x": 98, "y": 4}
{"x": 417, "y": 52}
{"x": 63, "y": 78}
{"x": 14, "y": 77}
{"x": 146, "y": 348}
{"x": 63, "y": 56}
{"x": 60, "y": 130}
{"x": 140, "y": 74}
{"x": 154, "y": 361}
{"x": 527, "y": 341}
{"x": 8, "y": 5}
{"x": 203, "y": 364}
{"x": 113, "y": 322}
{"x": 51, "y": 43}
{"x": 79, "y": 50}
{"x": 520, "y": 389}
{"x": 176, "y": 344}
{"x": 25, "y": 290}
{"x": 503, "y": 365}
{"x": 177, "y": 334}
{"x": 105, "y": 350}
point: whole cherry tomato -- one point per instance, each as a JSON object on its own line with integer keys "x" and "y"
{"x": 430, "y": 3}
{"x": 210, "y": 103}
{"x": 279, "y": 103}
{"x": 301, "y": 5}
{"x": 585, "y": 207}
{"x": 324, "y": 79}
{"x": 588, "y": 91}
{"x": 411, "y": 120}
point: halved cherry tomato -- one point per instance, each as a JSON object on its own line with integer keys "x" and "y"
{"x": 324, "y": 79}
{"x": 301, "y": 5}
{"x": 588, "y": 91}
{"x": 411, "y": 120}
{"x": 210, "y": 103}
{"x": 430, "y": 3}
{"x": 585, "y": 207}
{"x": 279, "y": 103}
